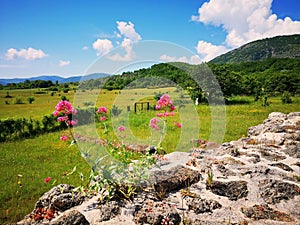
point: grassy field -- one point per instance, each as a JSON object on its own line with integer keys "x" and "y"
{"x": 44, "y": 156}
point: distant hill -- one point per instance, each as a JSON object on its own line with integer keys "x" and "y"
{"x": 275, "y": 47}
{"x": 55, "y": 78}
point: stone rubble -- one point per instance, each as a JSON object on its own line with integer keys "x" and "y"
{"x": 256, "y": 180}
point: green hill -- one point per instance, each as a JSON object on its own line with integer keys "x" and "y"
{"x": 275, "y": 47}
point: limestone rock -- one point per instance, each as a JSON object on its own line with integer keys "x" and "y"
{"x": 202, "y": 205}
{"x": 233, "y": 189}
{"x": 71, "y": 217}
{"x": 155, "y": 212}
{"x": 260, "y": 212}
{"x": 273, "y": 191}
{"x": 174, "y": 179}
{"x": 60, "y": 198}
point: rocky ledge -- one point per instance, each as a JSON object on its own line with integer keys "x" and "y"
{"x": 254, "y": 180}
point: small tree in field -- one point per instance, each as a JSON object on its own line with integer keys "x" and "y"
{"x": 30, "y": 99}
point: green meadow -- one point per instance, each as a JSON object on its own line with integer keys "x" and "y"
{"x": 26, "y": 163}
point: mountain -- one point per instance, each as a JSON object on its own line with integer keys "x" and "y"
{"x": 55, "y": 78}
{"x": 276, "y": 47}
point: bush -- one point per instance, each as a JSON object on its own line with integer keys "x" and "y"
{"x": 30, "y": 99}
{"x": 115, "y": 111}
{"x": 286, "y": 98}
{"x": 18, "y": 100}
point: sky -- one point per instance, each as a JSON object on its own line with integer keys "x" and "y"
{"x": 67, "y": 37}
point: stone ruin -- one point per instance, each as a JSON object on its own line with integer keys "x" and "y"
{"x": 254, "y": 180}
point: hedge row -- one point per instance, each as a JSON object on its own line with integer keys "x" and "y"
{"x": 21, "y": 128}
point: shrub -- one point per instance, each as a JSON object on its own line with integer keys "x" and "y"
{"x": 30, "y": 99}
{"x": 18, "y": 100}
{"x": 115, "y": 111}
{"x": 286, "y": 98}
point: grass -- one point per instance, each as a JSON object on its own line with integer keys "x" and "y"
{"x": 34, "y": 159}
{"x": 38, "y": 158}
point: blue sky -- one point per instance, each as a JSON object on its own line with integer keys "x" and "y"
{"x": 65, "y": 37}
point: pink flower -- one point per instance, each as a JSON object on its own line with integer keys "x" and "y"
{"x": 121, "y": 128}
{"x": 102, "y": 109}
{"x": 166, "y": 104}
{"x": 62, "y": 118}
{"x": 72, "y": 122}
{"x": 65, "y": 107}
{"x": 103, "y": 118}
{"x": 56, "y": 113}
{"x": 179, "y": 125}
{"x": 47, "y": 180}
{"x": 153, "y": 123}
{"x": 63, "y": 138}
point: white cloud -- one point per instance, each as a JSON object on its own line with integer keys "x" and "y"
{"x": 64, "y": 63}
{"x": 102, "y": 46}
{"x": 129, "y": 53}
{"x": 28, "y": 54}
{"x": 84, "y": 48}
{"x": 194, "y": 59}
{"x": 245, "y": 20}
{"x": 128, "y": 31}
{"x": 209, "y": 51}
{"x": 130, "y": 36}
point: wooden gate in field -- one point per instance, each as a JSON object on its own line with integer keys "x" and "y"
{"x": 139, "y": 106}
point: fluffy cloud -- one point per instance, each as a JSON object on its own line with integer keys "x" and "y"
{"x": 245, "y": 20}
{"x": 194, "y": 59}
{"x": 64, "y": 63}
{"x": 28, "y": 54}
{"x": 128, "y": 31}
{"x": 209, "y": 51}
{"x": 130, "y": 36}
{"x": 85, "y": 48}
{"x": 102, "y": 46}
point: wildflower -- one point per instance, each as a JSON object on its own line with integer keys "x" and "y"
{"x": 62, "y": 118}
{"x": 179, "y": 125}
{"x": 47, "y": 180}
{"x": 164, "y": 114}
{"x": 72, "y": 122}
{"x": 163, "y": 102}
{"x": 63, "y": 138}
{"x": 153, "y": 123}
{"x": 102, "y": 109}
{"x": 121, "y": 128}
{"x": 64, "y": 107}
{"x": 103, "y": 118}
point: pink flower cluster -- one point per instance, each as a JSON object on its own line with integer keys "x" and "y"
{"x": 154, "y": 123}
{"x": 102, "y": 111}
{"x": 63, "y": 109}
{"x": 165, "y": 103}
{"x": 121, "y": 130}
{"x": 165, "y": 114}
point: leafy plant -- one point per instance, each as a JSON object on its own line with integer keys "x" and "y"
{"x": 286, "y": 98}
{"x": 209, "y": 179}
{"x": 115, "y": 111}
{"x": 30, "y": 99}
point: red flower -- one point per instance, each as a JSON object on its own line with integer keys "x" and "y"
{"x": 47, "y": 180}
